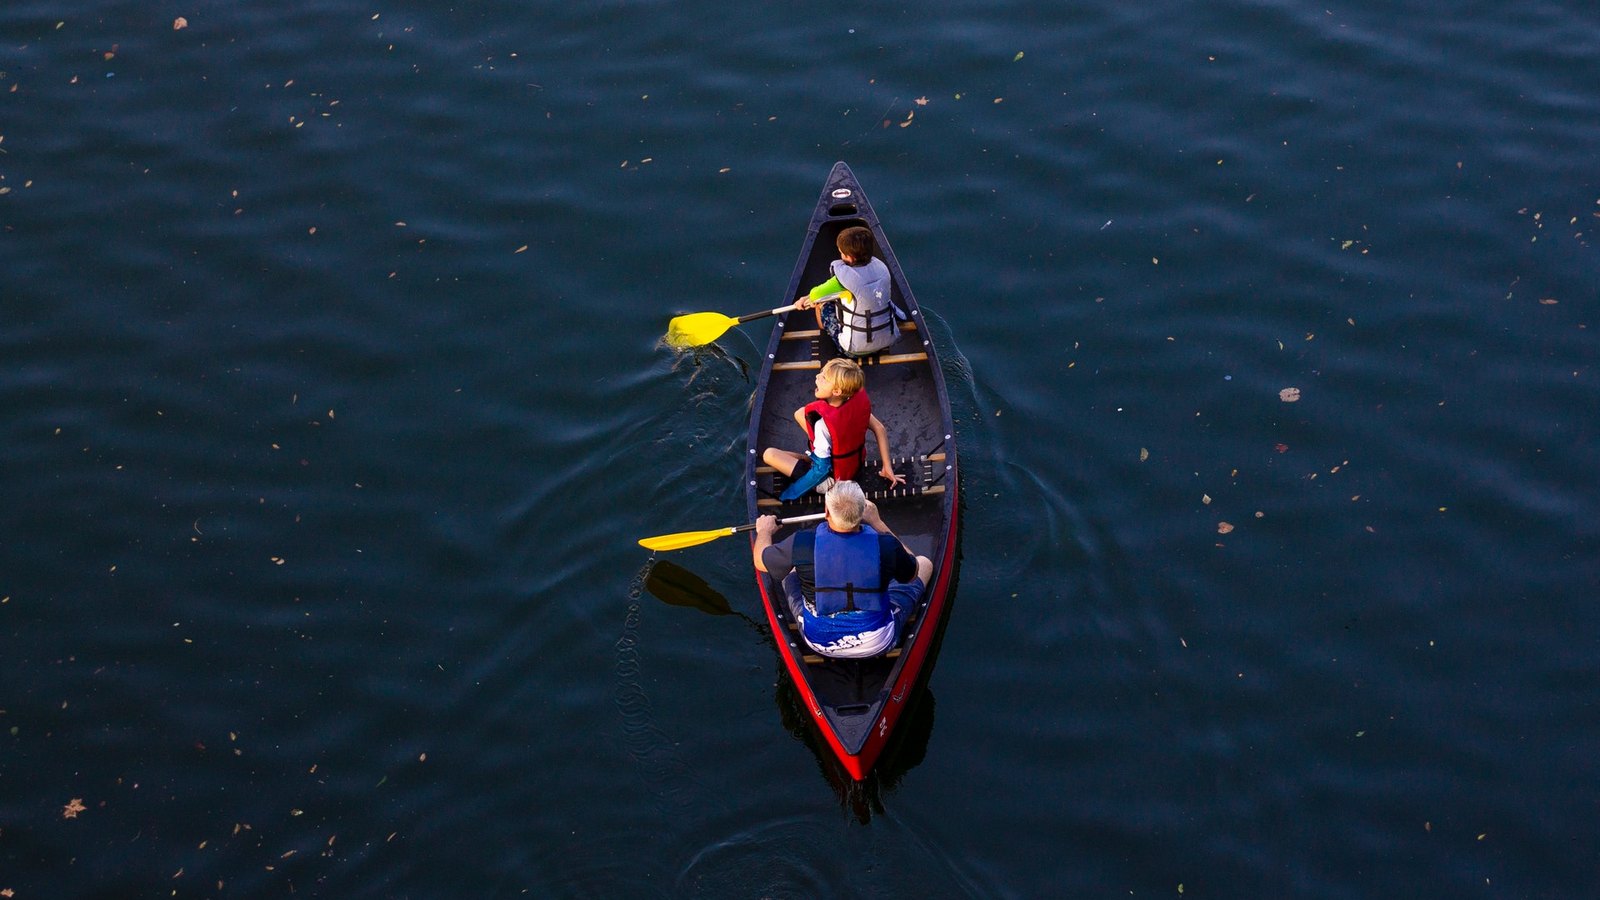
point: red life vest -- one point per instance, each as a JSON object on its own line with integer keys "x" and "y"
{"x": 847, "y": 428}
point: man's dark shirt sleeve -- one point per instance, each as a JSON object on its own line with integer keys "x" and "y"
{"x": 902, "y": 565}
{"x": 779, "y": 558}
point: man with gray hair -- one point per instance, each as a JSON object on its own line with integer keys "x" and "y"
{"x": 850, "y": 583}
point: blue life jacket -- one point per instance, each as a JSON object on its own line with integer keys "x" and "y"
{"x": 849, "y": 573}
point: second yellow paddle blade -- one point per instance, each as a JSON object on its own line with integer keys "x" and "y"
{"x": 684, "y": 539}
{"x": 697, "y": 328}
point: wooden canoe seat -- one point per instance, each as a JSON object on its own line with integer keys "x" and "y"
{"x": 908, "y": 628}
{"x": 865, "y": 361}
{"x": 813, "y": 333}
{"x": 813, "y": 659}
{"x": 814, "y": 336}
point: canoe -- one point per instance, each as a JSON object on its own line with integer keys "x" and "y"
{"x": 855, "y": 703}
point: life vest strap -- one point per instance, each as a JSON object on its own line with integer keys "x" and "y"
{"x": 871, "y": 319}
{"x": 849, "y": 590}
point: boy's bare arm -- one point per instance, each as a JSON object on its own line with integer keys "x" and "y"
{"x": 882, "y": 434}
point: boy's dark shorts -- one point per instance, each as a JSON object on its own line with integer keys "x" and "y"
{"x": 828, "y": 318}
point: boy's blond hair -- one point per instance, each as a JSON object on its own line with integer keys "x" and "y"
{"x": 845, "y": 375}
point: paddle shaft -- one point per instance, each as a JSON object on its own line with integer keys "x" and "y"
{"x": 813, "y": 517}
{"x": 762, "y": 315}
{"x": 685, "y": 539}
{"x": 783, "y": 309}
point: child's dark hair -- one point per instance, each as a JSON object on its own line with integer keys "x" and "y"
{"x": 857, "y": 243}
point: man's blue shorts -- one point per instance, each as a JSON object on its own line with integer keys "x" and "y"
{"x": 902, "y": 600}
{"x": 819, "y": 471}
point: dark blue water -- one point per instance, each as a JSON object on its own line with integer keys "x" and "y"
{"x": 333, "y": 405}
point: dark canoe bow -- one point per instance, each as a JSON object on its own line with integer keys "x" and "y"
{"x": 856, "y": 703}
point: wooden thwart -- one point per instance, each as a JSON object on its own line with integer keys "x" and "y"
{"x": 813, "y": 333}
{"x": 919, "y": 356}
{"x": 815, "y": 362}
{"x": 888, "y": 359}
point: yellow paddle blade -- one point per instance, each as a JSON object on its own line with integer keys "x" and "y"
{"x": 684, "y": 539}
{"x": 696, "y": 329}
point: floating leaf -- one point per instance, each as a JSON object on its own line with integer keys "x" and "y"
{"x": 1223, "y": 528}
{"x": 180, "y": 23}
{"x": 1017, "y": 57}
{"x": 1289, "y": 394}
{"x": 73, "y": 807}
{"x": 1144, "y": 454}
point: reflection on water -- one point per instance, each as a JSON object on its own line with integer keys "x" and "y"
{"x": 329, "y": 445}
{"x": 904, "y": 752}
{"x": 678, "y": 586}
{"x": 907, "y": 746}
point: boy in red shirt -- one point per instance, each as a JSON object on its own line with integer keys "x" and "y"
{"x": 836, "y": 426}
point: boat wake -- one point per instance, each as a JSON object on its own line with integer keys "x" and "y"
{"x": 812, "y": 856}
{"x": 663, "y": 773}
{"x": 770, "y": 859}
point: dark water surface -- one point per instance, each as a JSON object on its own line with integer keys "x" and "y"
{"x": 332, "y": 407}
